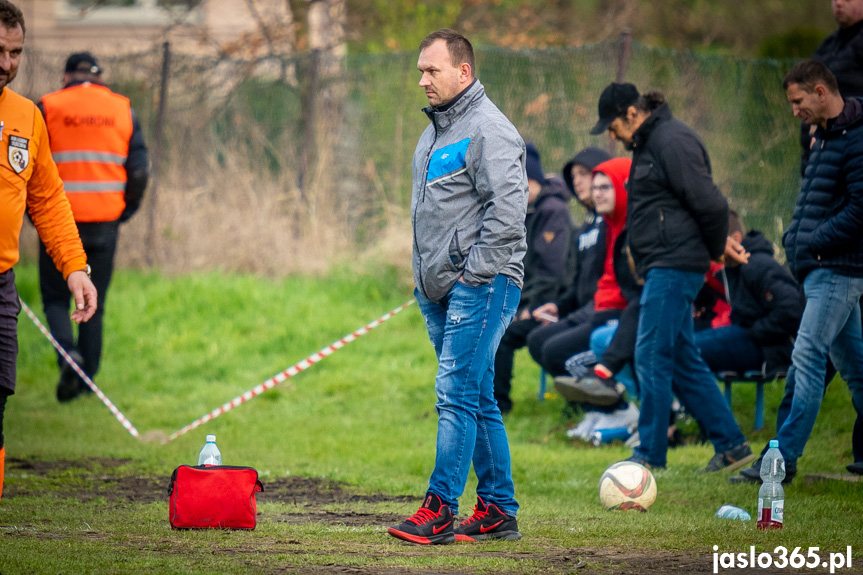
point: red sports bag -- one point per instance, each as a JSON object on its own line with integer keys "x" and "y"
{"x": 215, "y": 497}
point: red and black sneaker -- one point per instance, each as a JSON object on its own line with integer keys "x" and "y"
{"x": 487, "y": 522}
{"x": 430, "y": 525}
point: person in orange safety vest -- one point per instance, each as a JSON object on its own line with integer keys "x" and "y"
{"x": 99, "y": 149}
{"x": 29, "y": 181}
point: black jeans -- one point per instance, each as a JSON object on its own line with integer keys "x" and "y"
{"x": 100, "y": 243}
{"x": 551, "y": 345}
{"x": 514, "y": 338}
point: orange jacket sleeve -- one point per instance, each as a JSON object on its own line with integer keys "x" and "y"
{"x": 49, "y": 208}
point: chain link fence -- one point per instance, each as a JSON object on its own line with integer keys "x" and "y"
{"x": 280, "y": 165}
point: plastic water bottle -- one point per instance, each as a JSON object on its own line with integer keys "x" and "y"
{"x": 600, "y": 436}
{"x": 733, "y": 512}
{"x": 210, "y": 454}
{"x": 771, "y": 496}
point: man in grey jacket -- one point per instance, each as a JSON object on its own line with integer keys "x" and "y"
{"x": 467, "y": 208}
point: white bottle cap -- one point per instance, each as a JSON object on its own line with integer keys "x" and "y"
{"x": 211, "y": 439}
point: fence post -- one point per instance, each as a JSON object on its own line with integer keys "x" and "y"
{"x": 625, "y": 53}
{"x": 157, "y": 148}
{"x": 622, "y": 64}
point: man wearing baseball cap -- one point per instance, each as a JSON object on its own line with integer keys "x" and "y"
{"x": 678, "y": 224}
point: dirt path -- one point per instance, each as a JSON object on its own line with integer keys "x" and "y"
{"x": 314, "y": 498}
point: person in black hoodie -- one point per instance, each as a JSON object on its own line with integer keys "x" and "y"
{"x": 766, "y": 306}
{"x": 678, "y": 223}
{"x": 549, "y": 229}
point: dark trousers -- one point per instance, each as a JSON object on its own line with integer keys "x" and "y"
{"x": 551, "y": 345}
{"x": 100, "y": 243}
{"x": 9, "y": 308}
{"x": 514, "y": 338}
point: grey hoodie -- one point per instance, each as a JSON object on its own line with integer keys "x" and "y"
{"x": 469, "y": 197}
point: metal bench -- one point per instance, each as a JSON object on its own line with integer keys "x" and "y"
{"x": 759, "y": 378}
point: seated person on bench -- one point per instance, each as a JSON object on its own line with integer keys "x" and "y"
{"x": 766, "y": 306}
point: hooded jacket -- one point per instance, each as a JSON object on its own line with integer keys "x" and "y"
{"x": 765, "y": 301}
{"x": 469, "y": 196}
{"x": 618, "y": 288}
{"x": 588, "y": 241}
{"x": 678, "y": 218}
{"x": 826, "y": 229}
{"x": 549, "y": 228}
{"x": 608, "y": 294}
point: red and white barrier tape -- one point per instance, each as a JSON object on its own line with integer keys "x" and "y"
{"x": 288, "y": 373}
{"x": 104, "y": 398}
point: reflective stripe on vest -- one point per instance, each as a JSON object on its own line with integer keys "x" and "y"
{"x": 75, "y": 187}
{"x": 90, "y": 128}
{"x": 88, "y": 156}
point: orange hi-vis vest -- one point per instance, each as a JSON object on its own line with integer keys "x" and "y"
{"x": 89, "y": 127}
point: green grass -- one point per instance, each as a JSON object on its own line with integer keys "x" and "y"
{"x": 178, "y": 347}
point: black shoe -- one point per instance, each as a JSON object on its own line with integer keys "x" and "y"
{"x": 856, "y": 468}
{"x": 730, "y": 459}
{"x": 69, "y": 386}
{"x": 430, "y": 525}
{"x": 487, "y": 522}
{"x": 590, "y": 389}
{"x": 753, "y": 474}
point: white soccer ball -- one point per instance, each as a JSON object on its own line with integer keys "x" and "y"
{"x": 626, "y": 486}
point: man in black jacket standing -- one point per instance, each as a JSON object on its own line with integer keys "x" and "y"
{"x": 678, "y": 223}
{"x": 824, "y": 246}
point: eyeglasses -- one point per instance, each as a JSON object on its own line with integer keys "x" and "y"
{"x": 602, "y": 188}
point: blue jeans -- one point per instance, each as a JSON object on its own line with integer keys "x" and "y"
{"x": 831, "y": 326}
{"x": 666, "y": 360}
{"x": 600, "y": 339}
{"x": 729, "y": 348}
{"x": 465, "y": 329}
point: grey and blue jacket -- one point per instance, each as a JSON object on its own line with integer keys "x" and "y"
{"x": 469, "y": 196}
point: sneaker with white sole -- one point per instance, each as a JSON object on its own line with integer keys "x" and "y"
{"x": 585, "y": 427}
{"x": 626, "y": 417}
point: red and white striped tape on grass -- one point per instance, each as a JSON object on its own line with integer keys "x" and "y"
{"x": 240, "y": 399}
{"x": 288, "y": 373}
{"x": 102, "y": 397}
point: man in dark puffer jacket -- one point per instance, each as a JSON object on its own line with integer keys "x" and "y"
{"x": 824, "y": 245}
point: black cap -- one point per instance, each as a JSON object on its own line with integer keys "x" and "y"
{"x": 533, "y": 164}
{"x": 613, "y": 102}
{"x": 83, "y": 62}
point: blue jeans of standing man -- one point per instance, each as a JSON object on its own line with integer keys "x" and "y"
{"x": 666, "y": 360}
{"x": 830, "y": 326}
{"x": 465, "y": 329}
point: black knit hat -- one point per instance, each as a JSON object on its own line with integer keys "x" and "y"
{"x": 83, "y": 62}
{"x": 534, "y": 165}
